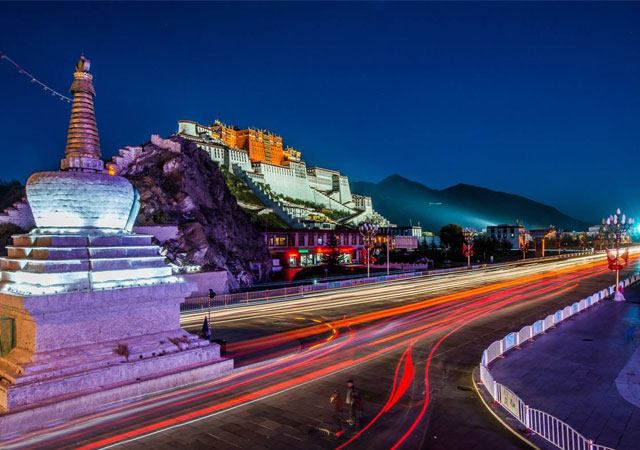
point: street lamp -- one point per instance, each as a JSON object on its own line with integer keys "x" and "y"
{"x": 391, "y": 244}
{"x": 616, "y": 226}
{"x": 559, "y": 239}
{"x": 526, "y": 242}
{"x": 601, "y": 235}
{"x": 469, "y": 235}
{"x": 368, "y": 232}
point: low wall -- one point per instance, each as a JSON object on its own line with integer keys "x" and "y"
{"x": 162, "y": 233}
{"x": 218, "y": 281}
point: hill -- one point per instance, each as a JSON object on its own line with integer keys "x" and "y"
{"x": 185, "y": 188}
{"x": 402, "y": 200}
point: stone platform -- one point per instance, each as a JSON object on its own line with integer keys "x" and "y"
{"x": 79, "y": 352}
{"x": 80, "y": 340}
{"x": 48, "y": 261}
{"x": 40, "y": 415}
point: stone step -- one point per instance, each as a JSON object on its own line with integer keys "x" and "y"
{"x": 60, "y": 253}
{"x": 46, "y": 279}
{"x": 137, "y": 344}
{"x": 83, "y": 358}
{"x": 40, "y": 283}
{"x": 10, "y": 370}
{"x": 27, "y": 265}
{"x": 39, "y": 239}
{"x": 120, "y": 240}
{"x": 78, "y": 265}
{"x": 47, "y": 252}
{"x": 113, "y": 270}
{"x": 124, "y": 251}
{"x": 42, "y": 390}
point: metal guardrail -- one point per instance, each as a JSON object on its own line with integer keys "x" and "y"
{"x": 221, "y": 301}
{"x": 539, "y": 422}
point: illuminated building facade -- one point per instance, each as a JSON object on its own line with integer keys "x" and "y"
{"x": 300, "y": 248}
{"x": 278, "y": 176}
{"x": 516, "y": 234}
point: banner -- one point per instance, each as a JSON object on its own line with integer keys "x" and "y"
{"x": 509, "y": 400}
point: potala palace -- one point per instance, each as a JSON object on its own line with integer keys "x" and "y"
{"x": 280, "y": 179}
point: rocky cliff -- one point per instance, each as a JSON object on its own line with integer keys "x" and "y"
{"x": 185, "y": 188}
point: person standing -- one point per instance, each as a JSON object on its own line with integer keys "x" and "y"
{"x": 354, "y": 403}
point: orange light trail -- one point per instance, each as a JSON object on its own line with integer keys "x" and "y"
{"x": 379, "y": 333}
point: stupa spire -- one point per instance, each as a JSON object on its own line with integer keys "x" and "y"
{"x": 83, "y": 144}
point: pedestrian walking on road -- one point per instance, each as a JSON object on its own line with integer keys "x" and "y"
{"x": 337, "y": 412}
{"x": 354, "y": 404}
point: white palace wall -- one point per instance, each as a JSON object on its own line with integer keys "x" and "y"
{"x": 285, "y": 181}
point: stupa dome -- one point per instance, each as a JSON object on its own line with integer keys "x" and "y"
{"x": 81, "y": 195}
{"x": 80, "y": 200}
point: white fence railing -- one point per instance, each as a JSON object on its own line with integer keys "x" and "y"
{"x": 534, "y": 420}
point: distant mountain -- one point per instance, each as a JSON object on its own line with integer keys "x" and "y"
{"x": 401, "y": 200}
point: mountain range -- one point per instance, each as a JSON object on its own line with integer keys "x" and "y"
{"x": 403, "y": 201}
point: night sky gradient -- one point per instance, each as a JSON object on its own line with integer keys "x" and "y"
{"x": 539, "y": 99}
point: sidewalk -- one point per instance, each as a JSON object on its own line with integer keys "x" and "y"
{"x": 585, "y": 373}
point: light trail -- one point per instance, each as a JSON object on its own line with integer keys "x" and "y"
{"x": 396, "y": 326}
{"x": 235, "y": 349}
{"x": 388, "y": 292}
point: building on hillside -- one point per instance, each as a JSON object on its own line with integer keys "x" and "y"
{"x": 300, "y": 248}
{"x": 281, "y": 179}
{"x": 401, "y": 231}
{"x": 516, "y": 234}
{"x": 215, "y": 145}
{"x": 262, "y": 146}
{"x": 594, "y": 230}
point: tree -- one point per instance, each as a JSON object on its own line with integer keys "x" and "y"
{"x": 332, "y": 258}
{"x": 6, "y": 231}
{"x": 483, "y": 247}
{"x": 506, "y": 246}
{"x": 451, "y": 237}
{"x": 423, "y": 248}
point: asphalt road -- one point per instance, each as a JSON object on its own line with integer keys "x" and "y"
{"x": 410, "y": 346}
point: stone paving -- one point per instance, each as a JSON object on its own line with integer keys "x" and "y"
{"x": 571, "y": 372}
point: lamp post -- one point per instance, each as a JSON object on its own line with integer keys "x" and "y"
{"x": 368, "y": 232}
{"x": 559, "y": 239}
{"x": 601, "y": 235}
{"x": 391, "y": 244}
{"x": 616, "y": 226}
{"x": 469, "y": 235}
{"x": 524, "y": 248}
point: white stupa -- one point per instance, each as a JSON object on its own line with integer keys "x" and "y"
{"x": 89, "y": 312}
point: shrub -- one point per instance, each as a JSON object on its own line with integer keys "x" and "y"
{"x": 122, "y": 350}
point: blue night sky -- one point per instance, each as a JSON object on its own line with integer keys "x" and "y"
{"x": 540, "y": 99}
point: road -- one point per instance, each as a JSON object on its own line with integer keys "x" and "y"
{"x": 410, "y": 346}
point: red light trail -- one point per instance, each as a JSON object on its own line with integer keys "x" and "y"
{"x": 339, "y": 345}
